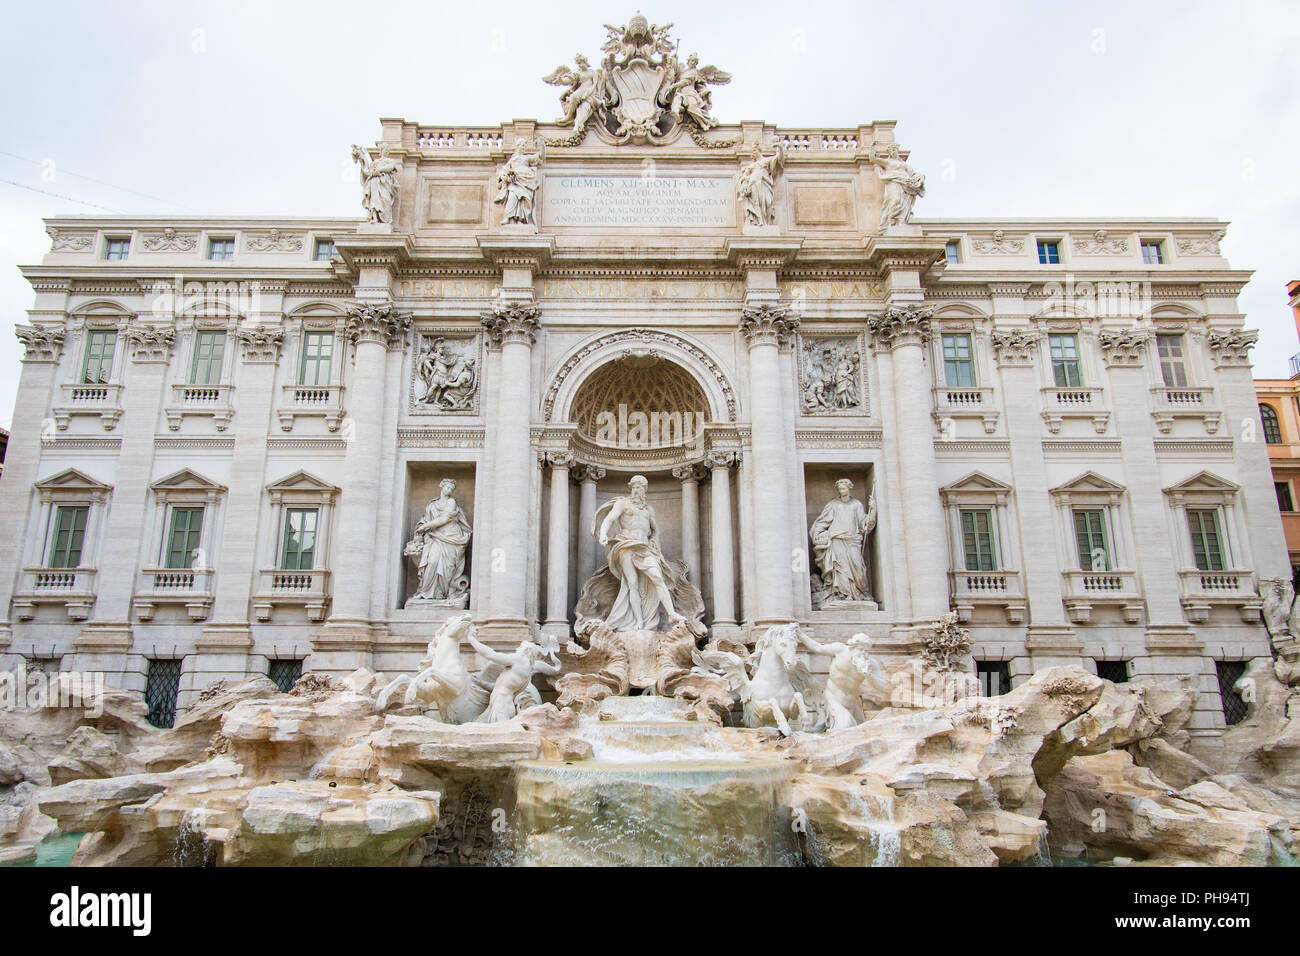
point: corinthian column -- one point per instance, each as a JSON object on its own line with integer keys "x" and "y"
{"x": 905, "y": 332}
{"x": 689, "y": 476}
{"x": 723, "y": 541}
{"x": 372, "y": 329}
{"x": 768, "y": 328}
{"x": 588, "y": 556}
{"x": 511, "y": 327}
{"x": 557, "y": 547}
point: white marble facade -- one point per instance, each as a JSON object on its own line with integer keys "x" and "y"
{"x": 448, "y": 344}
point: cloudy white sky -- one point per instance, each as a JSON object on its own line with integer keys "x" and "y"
{"x": 1092, "y": 109}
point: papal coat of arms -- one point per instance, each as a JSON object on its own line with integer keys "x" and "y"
{"x": 641, "y": 90}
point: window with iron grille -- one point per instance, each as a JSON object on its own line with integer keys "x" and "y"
{"x": 1114, "y": 671}
{"x": 284, "y": 673}
{"x": 99, "y": 356}
{"x": 317, "y": 356}
{"x": 209, "y": 349}
{"x": 69, "y": 535}
{"x": 1066, "y": 370}
{"x": 1272, "y": 429}
{"x": 42, "y": 665}
{"x": 1234, "y": 708}
{"x": 1207, "y": 548}
{"x": 162, "y": 684}
{"x": 977, "y": 539}
{"x": 1173, "y": 365}
{"x": 994, "y": 677}
{"x": 958, "y": 366}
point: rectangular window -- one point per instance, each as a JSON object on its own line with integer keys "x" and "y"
{"x": 995, "y": 678}
{"x": 284, "y": 672}
{"x": 952, "y": 251}
{"x": 1207, "y": 549}
{"x": 977, "y": 540}
{"x": 1152, "y": 254}
{"x": 1049, "y": 252}
{"x": 1090, "y": 534}
{"x": 324, "y": 251}
{"x": 100, "y": 345}
{"x": 317, "y": 356}
{"x": 958, "y": 367}
{"x": 209, "y": 349}
{"x": 183, "y": 537}
{"x": 116, "y": 248}
{"x": 69, "y": 535}
{"x": 1066, "y": 370}
{"x": 1284, "y": 500}
{"x": 161, "y": 684}
{"x": 221, "y": 248}
{"x": 1173, "y": 367}
{"x": 1114, "y": 671}
{"x": 298, "y": 553}
{"x": 1235, "y": 708}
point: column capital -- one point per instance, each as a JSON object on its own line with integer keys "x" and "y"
{"x": 1232, "y": 347}
{"x": 901, "y": 325}
{"x": 150, "y": 343}
{"x": 512, "y": 322}
{"x": 1124, "y": 347}
{"x": 583, "y": 472}
{"x": 692, "y": 472}
{"x": 722, "y": 459}
{"x": 377, "y": 322}
{"x": 1014, "y": 346}
{"x": 766, "y": 324}
{"x": 260, "y": 343}
{"x": 42, "y": 344}
{"x": 556, "y": 459}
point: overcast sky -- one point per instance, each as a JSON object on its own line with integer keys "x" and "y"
{"x": 1010, "y": 109}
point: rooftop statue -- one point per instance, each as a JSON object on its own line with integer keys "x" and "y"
{"x": 379, "y": 183}
{"x": 518, "y": 179}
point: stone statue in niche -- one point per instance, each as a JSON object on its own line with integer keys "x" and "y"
{"x": 902, "y": 185}
{"x": 378, "y": 182}
{"x": 645, "y": 577}
{"x": 438, "y": 549}
{"x": 831, "y": 379}
{"x": 839, "y": 538}
{"x": 756, "y": 187}
{"x": 448, "y": 376}
{"x": 518, "y": 179}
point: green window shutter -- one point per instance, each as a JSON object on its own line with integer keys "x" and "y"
{"x": 69, "y": 535}
{"x": 100, "y": 345}
{"x": 183, "y": 538}
{"x": 958, "y": 366}
{"x": 299, "y": 551}
{"x": 317, "y": 357}
{"x": 1173, "y": 368}
{"x": 1207, "y": 548}
{"x": 1066, "y": 371}
{"x": 209, "y": 348}
{"x": 977, "y": 540}
{"x": 1090, "y": 533}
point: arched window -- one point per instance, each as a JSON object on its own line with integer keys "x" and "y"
{"x": 1272, "y": 431}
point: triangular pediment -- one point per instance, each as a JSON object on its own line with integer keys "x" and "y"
{"x": 72, "y": 480}
{"x": 1089, "y": 481}
{"x": 977, "y": 482}
{"x": 1204, "y": 481}
{"x": 303, "y": 481}
{"x": 187, "y": 480}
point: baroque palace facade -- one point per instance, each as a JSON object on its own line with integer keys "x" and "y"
{"x": 233, "y": 437}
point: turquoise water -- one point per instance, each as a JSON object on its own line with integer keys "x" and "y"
{"x": 57, "y": 851}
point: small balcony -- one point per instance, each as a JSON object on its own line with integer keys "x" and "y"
{"x": 103, "y": 401}
{"x": 972, "y": 589}
{"x": 1170, "y": 404}
{"x": 1084, "y": 590}
{"x": 965, "y": 403}
{"x": 282, "y": 588}
{"x": 1203, "y": 590}
{"x": 322, "y": 401}
{"x": 214, "y": 401}
{"x": 190, "y": 587}
{"x": 74, "y": 588}
{"x": 1062, "y": 403}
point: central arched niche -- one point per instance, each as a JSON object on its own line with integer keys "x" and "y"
{"x": 640, "y": 399}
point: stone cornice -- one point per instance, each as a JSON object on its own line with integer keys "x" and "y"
{"x": 900, "y": 325}
{"x": 378, "y": 323}
{"x": 512, "y": 323}
{"x": 766, "y": 324}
